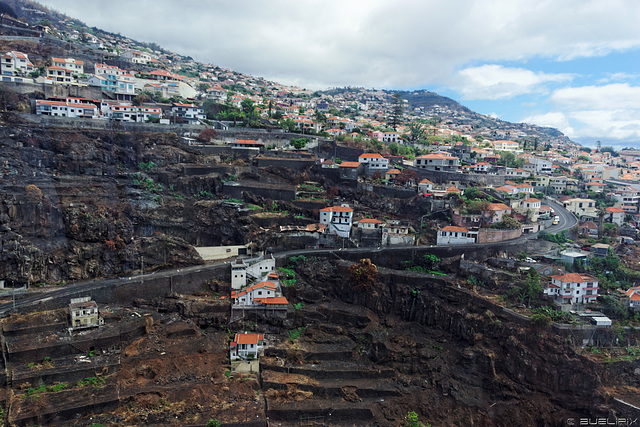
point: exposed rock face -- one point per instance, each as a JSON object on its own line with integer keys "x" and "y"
{"x": 473, "y": 363}
{"x": 82, "y": 204}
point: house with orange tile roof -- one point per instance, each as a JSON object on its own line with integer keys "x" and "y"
{"x": 351, "y": 170}
{"x": 529, "y": 207}
{"x": 246, "y": 346}
{"x": 508, "y": 189}
{"x": 392, "y": 174}
{"x": 596, "y": 187}
{"x": 259, "y": 290}
{"x": 374, "y": 162}
{"x": 453, "y": 235}
{"x": 633, "y": 294}
{"x": 482, "y": 167}
{"x": 15, "y": 63}
{"x": 370, "y": 224}
{"x": 66, "y": 109}
{"x": 572, "y": 288}
{"x": 338, "y": 220}
{"x": 425, "y": 186}
{"x": 60, "y": 75}
{"x": 525, "y": 188}
{"x": 497, "y": 211}
{"x": 74, "y": 65}
{"x": 615, "y": 216}
{"x": 437, "y": 162}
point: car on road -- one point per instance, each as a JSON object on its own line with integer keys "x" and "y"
{"x": 556, "y": 220}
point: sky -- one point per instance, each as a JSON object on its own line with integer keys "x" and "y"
{"x": 569, "y": 64}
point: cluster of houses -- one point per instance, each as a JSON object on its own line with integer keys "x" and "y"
{"x": 255, "y": 284}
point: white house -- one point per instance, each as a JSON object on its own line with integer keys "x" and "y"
{"x": 129, "y": 113}
{"x": 452, "y": 235}
{"x": 573, "y": 288}
{"x": 542, "y": 166}
{"x": 437, "y": 162}
{"x": 249, "y": 270}
{"x": 246, "y": 346}
{"x": 338, "y": 220}
{"x": 75, "y": 66}
{"x": 374, "y": 162}
{"x": 517, "y": 172}
{"x": 425, "y": 186}
{"x": 388, "y": 136}
{"x": 582, "y": 208}
{"x": 66, "y": 109}
{"x": 634, "y": 297}
{"x": 525, "y": 188}
{"x": 532, "y": 206}
{"x": 190, "y": 113}
{"x": 509, "y": 146}
{"x": 615, "y": 216}
{"x": 482, "y": 167}
{"x": 15, "y": 64}
{"x": 136, "y": 57}
{"x": 369, "y": 224}
{"x": 60, "y": 75}
{"x": 258, "y": 291}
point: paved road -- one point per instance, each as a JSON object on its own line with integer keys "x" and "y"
{"x": 567, "y": 220}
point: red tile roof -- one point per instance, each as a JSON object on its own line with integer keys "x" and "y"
{"x": 248, "y": 338}
{"x": 350, "y": 164}
{"x": 455, "y": 229}
{"x": 370, "y": 156}
{"x": 337, "y": 209}
{"x": 273, "y": 301}
{"x": 575, "y": 278}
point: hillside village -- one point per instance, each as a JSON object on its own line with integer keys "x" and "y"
{"x": 336, "y": 170}
{"x": 490, "y": 180}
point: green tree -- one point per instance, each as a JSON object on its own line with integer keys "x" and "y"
{"x": 299, "y": 143}
{"x": 412, "y": 420}
{"x": 288, "y": 125}
{"x": 530, "y": 289}
{"x": 396, "y": 111}
{"x": 248, "y": 108}
{"x": 416, "y": 132}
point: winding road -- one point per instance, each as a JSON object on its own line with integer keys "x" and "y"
{"x": 567, "y": 221}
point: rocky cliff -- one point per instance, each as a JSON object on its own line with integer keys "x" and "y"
{"x": 458, "y": 359}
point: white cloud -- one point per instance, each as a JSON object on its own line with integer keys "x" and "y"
{"x": 617, "y": 77}
{"x": 610, "y": 111}
{"x": 381, "y": 43}
{"x": 498, "y": 82}
{"x": 609, "y": 97}
{"x": 556, "y": 120}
